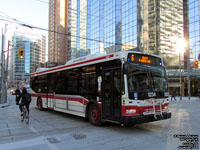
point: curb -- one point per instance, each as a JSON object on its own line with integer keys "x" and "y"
{"x": 6, "y": 104}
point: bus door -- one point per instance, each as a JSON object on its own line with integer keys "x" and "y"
{"x": 50, "y": 100}
{"x": 111, "y": 94}
{"x": 51, "y": 92}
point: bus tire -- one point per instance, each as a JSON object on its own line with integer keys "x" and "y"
{"x": 94, "y": 115}
{"x": 39, "y": 104}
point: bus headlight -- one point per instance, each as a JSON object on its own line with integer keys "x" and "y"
{"x": 166, "y": 108}
{"x": 129, "y": 111}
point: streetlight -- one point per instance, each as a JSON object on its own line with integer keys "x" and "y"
{"x": 180, "y": 44}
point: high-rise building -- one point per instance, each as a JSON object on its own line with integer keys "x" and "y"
{"x": 160, "y": 27}
{"x": 90, "y": 26}
{"x": 194, "y": 29}
{"x": 59, "y": 30}
{"x": 82, "y": 27}
{"x": 34, "y": 48}
{"x": 194, "y": 45}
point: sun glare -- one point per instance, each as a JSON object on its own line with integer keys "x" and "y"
{"x": 179, "y": 44}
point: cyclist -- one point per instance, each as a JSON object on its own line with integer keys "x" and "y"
{"x": 25, "y": 100}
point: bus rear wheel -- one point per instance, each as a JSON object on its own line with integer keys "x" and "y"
{"x": 94, "y": 115}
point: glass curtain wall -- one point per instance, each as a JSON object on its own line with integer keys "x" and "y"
{"x": 194, "y": 39}
{"x": 194, "y": 29}
{"x": 95, "y": 25}
{"x": 102, "y": 26}
{"x": 83, "y": 28}
{"x": 74, "y": 23}
{"x": 129, "y": 24}
{"x": 27, "y": 58}
{"x": 112, "y": 25}
{"x": 78, "y": 17}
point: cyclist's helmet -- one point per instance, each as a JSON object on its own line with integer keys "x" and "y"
{"x": 24, "y": 90}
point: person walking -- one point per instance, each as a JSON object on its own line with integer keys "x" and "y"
{"x": 173, "y": 95}
{"x": 17, "y": 93}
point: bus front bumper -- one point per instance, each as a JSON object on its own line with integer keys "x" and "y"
{"x": 131, "y": 120}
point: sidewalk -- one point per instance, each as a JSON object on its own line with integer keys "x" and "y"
{"x": 5, "y": 104}
{"x": 185, "y": 98}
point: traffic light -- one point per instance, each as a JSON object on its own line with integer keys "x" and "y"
{"x": 184, "y": 79}
{"x": 20, "y": 53}
{"x": 196, "y": 64}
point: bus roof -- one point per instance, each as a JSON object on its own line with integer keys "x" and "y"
{"x": 87, "y": 60}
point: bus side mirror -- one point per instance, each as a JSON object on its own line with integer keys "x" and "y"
{"x": 125, "y": 68}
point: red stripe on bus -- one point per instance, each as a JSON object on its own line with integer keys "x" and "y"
{"x": 81, "y": 100}
{"x": 80, "y": 63}
{"x": 41, "y": 95}
{"x": 58, "y": 97}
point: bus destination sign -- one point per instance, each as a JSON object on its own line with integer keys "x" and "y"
{"x": 143, "y": 58}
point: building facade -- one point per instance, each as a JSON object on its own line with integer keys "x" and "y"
{"x": 194, "y": 47}
{"x": 34, "y": 47}
{"x": 169, "y": 28}
{"x": 99, "y": 26}
{"x": 59, "y": 30}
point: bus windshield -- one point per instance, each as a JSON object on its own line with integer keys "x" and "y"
{"x": 143, "y": 79}
{"x": 158, "y": 77}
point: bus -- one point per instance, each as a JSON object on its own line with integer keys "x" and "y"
{"x": 126, "y": 87}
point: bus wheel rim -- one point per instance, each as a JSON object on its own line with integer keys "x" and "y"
{"x": 94, "y": 115}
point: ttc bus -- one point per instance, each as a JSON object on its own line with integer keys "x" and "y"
{"x": 123, "y": 87}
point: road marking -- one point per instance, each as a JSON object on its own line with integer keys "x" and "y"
{"x": 28, "y": 143}
{"x": 23, "y": 144}
{"x": 33, "y": 130}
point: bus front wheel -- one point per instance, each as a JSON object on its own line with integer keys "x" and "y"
{"x": 39, "y": 104}
{"x": 94, "y": 115}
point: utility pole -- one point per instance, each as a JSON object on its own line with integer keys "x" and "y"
{"x": 2, "y": 70}
{"x": 3, "y": 83}
{"x": 188, "y": 75}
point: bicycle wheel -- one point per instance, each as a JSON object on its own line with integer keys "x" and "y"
{"x": 22, "y": 117}
{"x": 26, "y": 116}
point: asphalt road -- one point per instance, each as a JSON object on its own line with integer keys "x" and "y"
{"x": 53, "y": 130}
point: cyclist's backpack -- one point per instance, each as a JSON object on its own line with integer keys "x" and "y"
{"x": 28, "y": 97}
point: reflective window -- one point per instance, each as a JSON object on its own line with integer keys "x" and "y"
{"x": 194, "y": 29}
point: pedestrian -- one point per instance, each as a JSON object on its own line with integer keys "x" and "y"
{"x": 17, "y": 93}
{"x": 199, "y": 94}
{"x": 25, "y": 100}
{"x": 173, "y": 95}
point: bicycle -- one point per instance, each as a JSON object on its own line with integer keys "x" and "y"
{"x": 25, "y": 115}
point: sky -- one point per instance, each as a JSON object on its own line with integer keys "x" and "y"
{"x": 33, "y": 12}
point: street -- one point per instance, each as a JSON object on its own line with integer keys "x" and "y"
{"x": 53, "y": 130}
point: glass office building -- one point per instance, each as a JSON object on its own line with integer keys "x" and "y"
{"x": 194, "y": 29}
{"x": 194, "y": 45}
{"x": 105, "y": 26}
{"x": 91, "y": 26}
{"x": 169, "y": 28}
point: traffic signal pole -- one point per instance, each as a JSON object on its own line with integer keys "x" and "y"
{"x": 188, "y": 75}
{"x": 2, "y": 71}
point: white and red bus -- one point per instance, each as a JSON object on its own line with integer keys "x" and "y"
{"x": 124, "y": 87}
